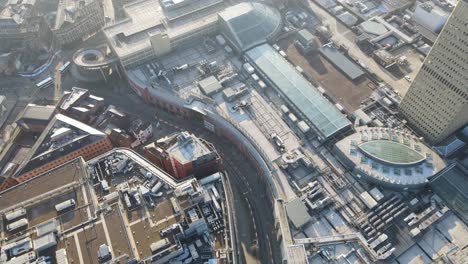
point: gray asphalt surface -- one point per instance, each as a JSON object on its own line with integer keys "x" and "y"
{"x": 253, "y": 210}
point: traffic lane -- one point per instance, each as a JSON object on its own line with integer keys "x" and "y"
{"x": 246, "y": 231}
{"x": 262, "y": 207}
{"x": 260, "y": 224}
{"x": 255, "y": 191}
{"x": 252, "y": 188}
{"x": 246, "y": 234}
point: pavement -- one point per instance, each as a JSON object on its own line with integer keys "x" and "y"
{"x": 253, "y": 212}
{"x": 252, "y": 208}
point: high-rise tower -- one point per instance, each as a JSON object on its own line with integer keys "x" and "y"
{"x": 436, "y": 104}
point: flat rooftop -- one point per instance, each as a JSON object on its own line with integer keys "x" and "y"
{"x": 348, "y": 67}
{"x": 68, "y": 12}
{"x": 72, "y": 171}
{"x": 338, "y": 86}
{"x": 79, "y": 97}
{"x": 147, "y": 17}
{"x": 89, "y": 223}
{"x": 38, "y": 112}
{"x": 188, "y": 148}
{"x": 308, "y": 100}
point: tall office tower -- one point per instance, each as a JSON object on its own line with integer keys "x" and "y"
{"x": 436, "y": 104}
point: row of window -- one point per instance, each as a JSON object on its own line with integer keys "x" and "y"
{"x": 444, "y": 81}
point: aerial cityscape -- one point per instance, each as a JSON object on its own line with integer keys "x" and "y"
{"x": 234, "y": 131}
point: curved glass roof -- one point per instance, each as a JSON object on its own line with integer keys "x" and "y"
{"x": 251, "y": 24}
{"x": 391, "y": 152}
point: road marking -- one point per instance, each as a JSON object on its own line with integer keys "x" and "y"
{"x": 240, "y": 179}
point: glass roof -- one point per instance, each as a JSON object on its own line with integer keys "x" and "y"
{"x": 326, "y": 118}
{"x": 251, "y": 23}
{"x": 391, "y": 152}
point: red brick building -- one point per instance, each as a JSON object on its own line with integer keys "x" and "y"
{"x": 183, "y": 154}
{"x": 81, "y": 105}
{"x": 63, "y": 139}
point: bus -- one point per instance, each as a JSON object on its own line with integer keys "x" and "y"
{"x": 45, "y": 83}
{"x": 65, "y": 67}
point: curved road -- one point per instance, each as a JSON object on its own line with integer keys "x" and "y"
{"x": 253, "y": 212}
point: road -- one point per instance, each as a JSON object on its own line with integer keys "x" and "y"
{"x": 343, "y": 35}
{"x": 252, "y": 208}
{"x": 19, "y": 92}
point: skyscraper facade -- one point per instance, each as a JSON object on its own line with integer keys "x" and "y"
{"x": 436, "y": 104}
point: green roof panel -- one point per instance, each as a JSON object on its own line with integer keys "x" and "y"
{"x": 390, "y": 152}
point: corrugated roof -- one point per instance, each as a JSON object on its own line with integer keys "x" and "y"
{"x": 324, "y": 116}
{"x": 348, "y": 67}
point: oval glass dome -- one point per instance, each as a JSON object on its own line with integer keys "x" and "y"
{"x": 391, "y": 153}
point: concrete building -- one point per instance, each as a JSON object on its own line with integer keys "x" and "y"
{"x": 154, "y": 28}
{"x": 19, "y": 22}
{"x": 389, "y": 158}
{"x": 247, "y": 25}
{"x": 183, "y": 154}
{"x": 430, "y": 16}
{"x": 35, "y": 117}
{"x": 192, "y": 215}
{"x": 304, "y": 99}
{"x": 124, "y": 130}
{"x": 76, "y": 20}
{"x": 436, "y": 104}
{"x": 306, "y": 42}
